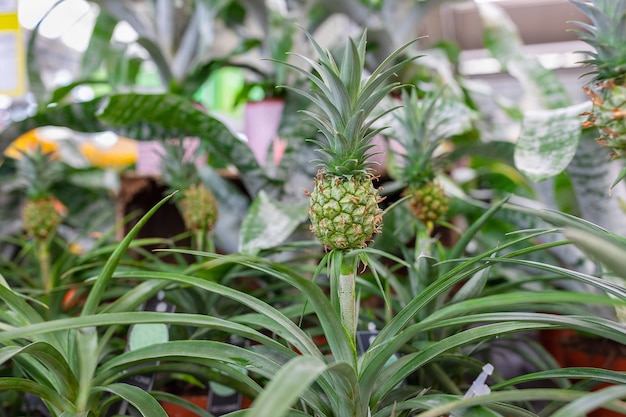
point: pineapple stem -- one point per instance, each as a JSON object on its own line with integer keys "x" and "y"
{"x": 200, "y": 239}
{"x": 347, "y": 297}
{"x": 43, "y": 257}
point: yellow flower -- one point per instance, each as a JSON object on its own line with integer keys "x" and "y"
{"x": 28, "y": 142}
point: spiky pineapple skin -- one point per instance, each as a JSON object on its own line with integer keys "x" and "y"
{"x": 428, "y": 202}
{"x": 608, "y": 114}
{"x": 41, "y": 218}
{"x": 344, "y": 211}
{"x": 198, "y": 208}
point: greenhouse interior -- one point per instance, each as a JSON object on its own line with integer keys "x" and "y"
{"x": 292, "y": 208}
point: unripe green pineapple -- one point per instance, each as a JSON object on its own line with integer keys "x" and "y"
{"x": 344, "y": 213}
{"x": 198, "y": 208}
{"x": 40, "y": 217}
{"x": 343, "y": 209}
{"x": 608, "y": 87}
{"x": 428, "y": 202}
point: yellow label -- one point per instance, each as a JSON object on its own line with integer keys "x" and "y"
{"x": 12, "y": 56}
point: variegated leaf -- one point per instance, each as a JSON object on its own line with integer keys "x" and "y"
{"x": 548, "y": 141}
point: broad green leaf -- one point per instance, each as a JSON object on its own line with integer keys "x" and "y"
{"x": 269, "y": 223}
{"x": 548, "y": 141}
{"x": 148, "y": 117}
{"x": 286, "y": 386}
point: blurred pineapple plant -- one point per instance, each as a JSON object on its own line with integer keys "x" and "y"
{"x": 606, "y": 33}
{"x": 422, "y": 130}
{"x": 42, "y": 212}
{"x": 196, "y": 203}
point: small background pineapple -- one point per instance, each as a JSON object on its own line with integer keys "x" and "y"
{"x": 344, "y": 209}
{"x": 423, "y": 129}
{"x": 607, "y": 35}
{"x": 196, "y": 203}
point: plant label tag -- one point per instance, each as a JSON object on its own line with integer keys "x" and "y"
{"x": 365, "y": 338}
{"x": 141, "y": 335}
{"x": 223, "y": 400}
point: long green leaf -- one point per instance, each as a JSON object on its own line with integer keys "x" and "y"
{"x": 194, "y": 350}
{"x": 141, "y": 400}
{"x": 395, "y": 373}
{"x": 581, "y": 406}
{"x": 600, "y": 375}
{"x": 59, "y": 370}
{"x": 139, "y": 317}
{"x": 607, "y": 248}
{"x": 437, "y": 406}
{"x": 96, "y": 293}
{"x": 286, "y": 386}
{"x": 47, "y": 394}
{"x": 99, "y": 43}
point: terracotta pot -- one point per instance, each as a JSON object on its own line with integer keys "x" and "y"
{"x": 173, "y": 410}
{"x": 571, "y": 349}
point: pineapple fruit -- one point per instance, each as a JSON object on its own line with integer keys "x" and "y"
{"x": 198, "y": 208}
{"x": 428, "y": 202}
{"x": 343, "y": 208}
{"x": 607, "y": 89}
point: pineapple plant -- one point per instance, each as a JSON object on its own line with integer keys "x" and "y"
{"x": 344, "y": 210}
{"x": 607, "y": 90}
{"x": 42, "y": 212}
{"x": 420, "y": 129}
{"x": 196, "y": 203}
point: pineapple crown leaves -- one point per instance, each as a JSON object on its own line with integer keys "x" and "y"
{"x": 178, "y": 169}
{"x": 422, "y": 127}
{"x": 346, "y": 101}
{"x": 606, "y": 34}
{"x": 40, "y": 171}
{"x": 415, "y": 135}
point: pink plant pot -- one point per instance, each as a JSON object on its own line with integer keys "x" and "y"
{"x": 261, "y": 122}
